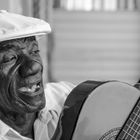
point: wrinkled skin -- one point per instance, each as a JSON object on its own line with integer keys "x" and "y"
{"x": 21, "y": 86}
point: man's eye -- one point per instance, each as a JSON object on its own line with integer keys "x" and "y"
{"x": 35, "y": 52}
{"x": 9, "y": 59}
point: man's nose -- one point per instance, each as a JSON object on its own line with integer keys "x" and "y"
{"x": 29, "y": 67}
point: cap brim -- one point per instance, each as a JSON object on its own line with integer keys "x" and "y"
{"x": 14, "y": 26}
{"x": 25, "y": 33}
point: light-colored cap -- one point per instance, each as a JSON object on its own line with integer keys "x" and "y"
{"x": 14, "y": 26}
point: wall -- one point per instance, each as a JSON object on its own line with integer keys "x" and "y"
{"x": 96, "y": 45}
{"x": 4, "y": 4}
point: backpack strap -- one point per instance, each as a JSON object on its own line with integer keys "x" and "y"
{"x": 72, "y": 107}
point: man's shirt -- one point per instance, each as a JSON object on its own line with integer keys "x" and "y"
{"x": 45, "y": 124}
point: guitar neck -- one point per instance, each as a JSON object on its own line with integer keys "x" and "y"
{"x": 131, "y": 128}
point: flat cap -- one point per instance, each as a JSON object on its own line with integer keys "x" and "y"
{"x": 14, "y": 26}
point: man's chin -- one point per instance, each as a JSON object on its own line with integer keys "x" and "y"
{"x": 30, "y": 107}
{"x": 36, "y": 105}
{"x": 35, "y": 108}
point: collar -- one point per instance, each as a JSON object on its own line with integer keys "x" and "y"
{"x": 44, "y": 115}
{"x": 8, "y": 132}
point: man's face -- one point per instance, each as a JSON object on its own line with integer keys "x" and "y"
{"x": 21, "y": 86}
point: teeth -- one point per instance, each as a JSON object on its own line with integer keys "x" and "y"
{"x": 27, "y": 89}
{"x": 34, "y": 87}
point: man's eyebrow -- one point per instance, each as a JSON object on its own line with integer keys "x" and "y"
{"x": 15, "y": 45}
{"x": 7, "y": 47}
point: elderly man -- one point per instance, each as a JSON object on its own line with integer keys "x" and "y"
{"x": 27, "y": 111}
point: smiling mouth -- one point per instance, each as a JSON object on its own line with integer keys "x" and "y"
{"x": 32, "y": 89}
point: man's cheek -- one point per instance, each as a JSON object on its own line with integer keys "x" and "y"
{"x": 5, "y": 98}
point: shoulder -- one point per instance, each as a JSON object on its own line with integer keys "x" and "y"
{"x": 56, "y": 94}
{"x": 62, "y": 86}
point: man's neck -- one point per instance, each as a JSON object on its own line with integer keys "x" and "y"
{"x": 22, "y": 123}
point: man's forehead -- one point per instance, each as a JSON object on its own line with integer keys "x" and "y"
{"x": 22, "y": 42}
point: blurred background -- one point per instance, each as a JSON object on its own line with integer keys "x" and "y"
{"x": 90, "y": 39}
